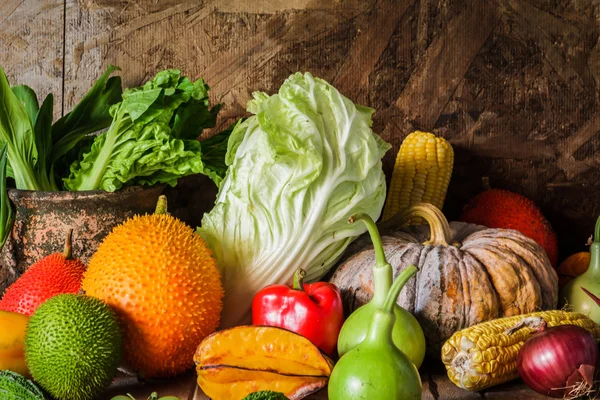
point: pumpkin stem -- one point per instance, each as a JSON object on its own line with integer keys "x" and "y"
{"x": 438, "y": 224}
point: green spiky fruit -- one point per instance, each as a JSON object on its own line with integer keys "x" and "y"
{"x": 73, "y": 346}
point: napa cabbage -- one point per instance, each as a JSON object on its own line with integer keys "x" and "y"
{"x": 298, "y": 168}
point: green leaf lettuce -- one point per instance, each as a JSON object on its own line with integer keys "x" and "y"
{"x": 152, "y": 137}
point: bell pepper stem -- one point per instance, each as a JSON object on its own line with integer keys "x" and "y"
{"x": 299, "y": 276}
{"x": 397, "y": 286}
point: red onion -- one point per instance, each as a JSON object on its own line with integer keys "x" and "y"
{"x": 558, "y": 361}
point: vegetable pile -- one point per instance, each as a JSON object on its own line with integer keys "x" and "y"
{"x": 242, "y": 299}
{"x": 151, "y": 137}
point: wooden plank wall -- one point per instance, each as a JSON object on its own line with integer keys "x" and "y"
{"x": 513, "y": 84}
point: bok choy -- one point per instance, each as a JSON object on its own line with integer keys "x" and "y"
{"x": 37, "y": 149}
{"x": 298, "y": 169}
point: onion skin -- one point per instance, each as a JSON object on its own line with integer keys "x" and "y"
{"x": 550, "y": 357}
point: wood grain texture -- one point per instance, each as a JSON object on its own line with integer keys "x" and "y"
{"x": 31, "y": 39}
{"x": 445, "y": 63}
{"x": 436, "y": 386}
{"x": 513, "y": 84}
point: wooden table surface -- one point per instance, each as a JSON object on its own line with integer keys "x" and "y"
{"x": 435, "y": 387}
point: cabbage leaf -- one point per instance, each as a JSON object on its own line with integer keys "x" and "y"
{"x": 298, "y": 169}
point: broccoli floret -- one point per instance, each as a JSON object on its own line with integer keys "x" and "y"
{"x": 266, "y": 395}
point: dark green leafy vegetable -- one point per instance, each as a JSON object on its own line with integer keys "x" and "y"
{"x": 43, "y": 141}
{"x": 6, "y": 211}
{"x": 16, "y": 130}
{"x": 38, "y": 150}
{"x": 29, "y": 99}
{"x": 265, "y": 395}
{"x": 16, "y": 387}
{"x": 70, "y": 134}
{"x": 152, "y": 137}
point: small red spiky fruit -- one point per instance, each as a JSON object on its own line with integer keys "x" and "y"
{"x": 55, "y": 274}
{"x": 497, "y": 208}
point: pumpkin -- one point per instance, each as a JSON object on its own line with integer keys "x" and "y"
{"x": 467, "y": 273}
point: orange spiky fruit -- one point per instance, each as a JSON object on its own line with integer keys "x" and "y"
{"x": 163, "y": 282}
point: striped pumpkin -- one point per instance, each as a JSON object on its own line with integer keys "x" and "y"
{"x": 467, "y": 273}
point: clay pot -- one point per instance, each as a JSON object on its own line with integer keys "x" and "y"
{"x": 43, "y": 218}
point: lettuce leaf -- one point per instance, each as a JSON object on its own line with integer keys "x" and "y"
{"x": 151, "y": 138}
{"x": 298, "y": 169}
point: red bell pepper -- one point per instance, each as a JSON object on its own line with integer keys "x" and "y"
{"x": 313, "y": 310}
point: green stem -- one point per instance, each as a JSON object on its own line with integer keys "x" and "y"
{"x": 383, "y": 277}
{"x": 161, "y": 205}
{"x": 68, "y": 251}
{"x": 374, "y": 233}
{"x": 382, "y": 271}
{"x": 397, "y": 286}
{"x": 299, "y": 279}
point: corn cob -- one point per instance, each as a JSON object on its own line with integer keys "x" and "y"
{"x": 421, "y": 173}
{"x": 484, "y": 355}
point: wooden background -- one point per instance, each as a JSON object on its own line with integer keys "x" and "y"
{"x": 513, "y": 84}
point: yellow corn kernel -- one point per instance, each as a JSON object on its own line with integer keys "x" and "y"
{"x": 484, "y": 355}
{"x": 421, "y": 173}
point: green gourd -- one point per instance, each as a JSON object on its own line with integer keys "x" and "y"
{"x": 407, "y": 333}
{"x": 573, "y": 294}
{"x": 376, "y": 369}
